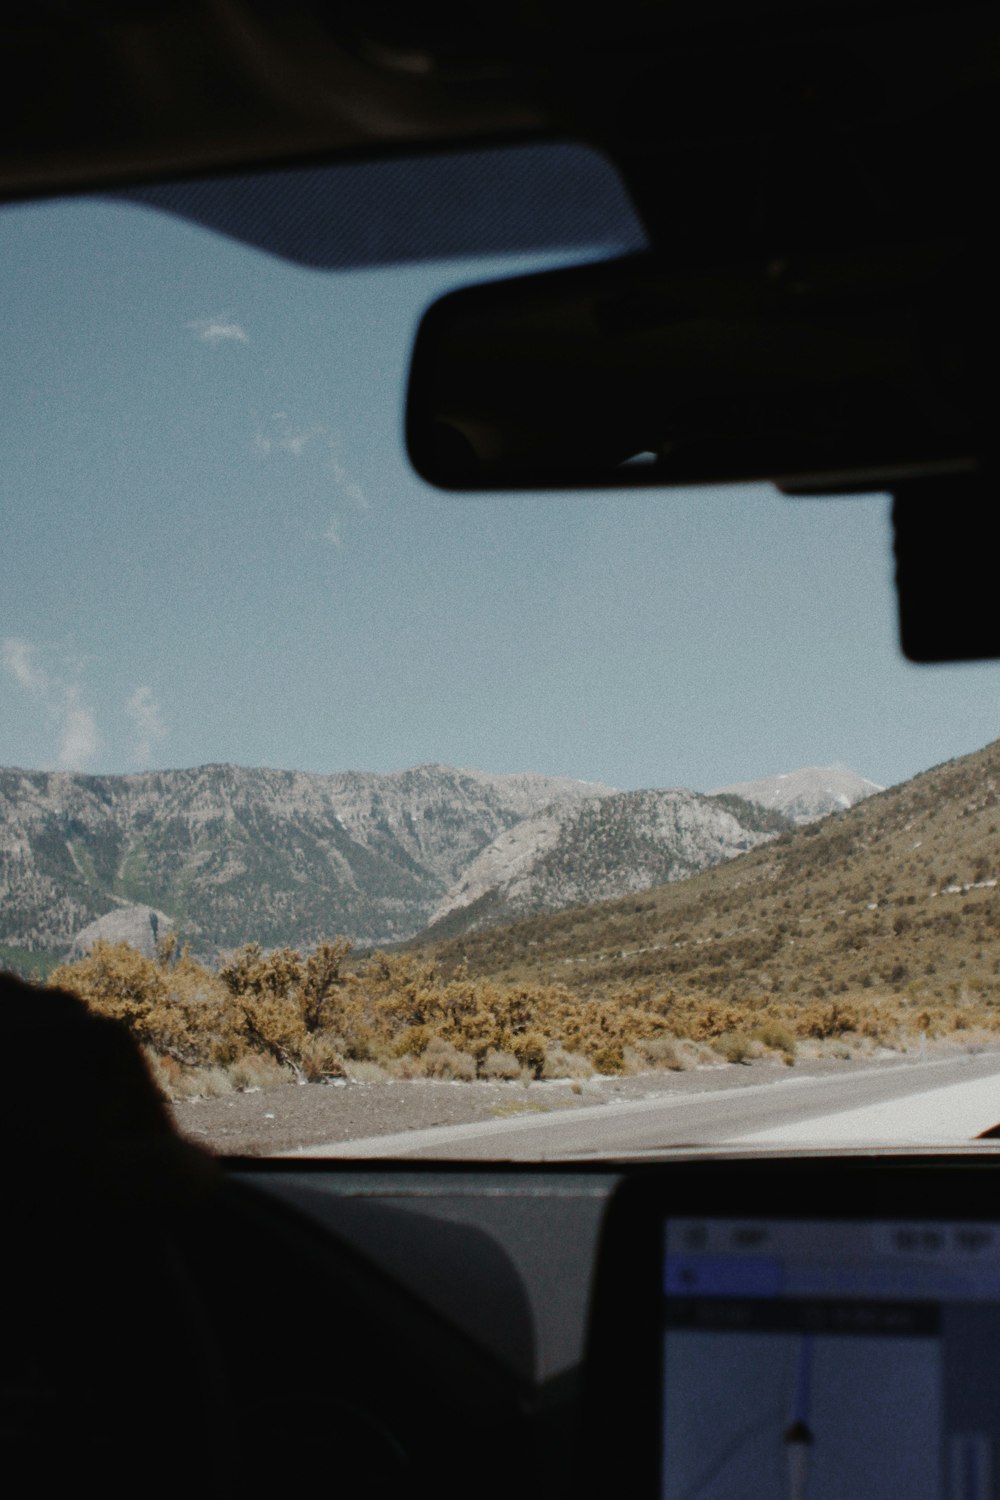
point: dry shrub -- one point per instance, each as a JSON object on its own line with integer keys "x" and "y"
{"x": 698, "y": 1054}
{"x": 881, "y": 1029}
{"x": 365, "y": 1071}
{"x": 735, "y": 1047}
{"x": 663, "y": 1052}
{"x": 175, "y": 1081}
{"x": 255, "y": 1070}
{"x": 560, "y": 1063}
{"x": 408, "y": 1067}
{"x": 288, "y": 1006}
{"x": 412, "y": 1041}
{"x": 169, "y": 1075}
{"x": 442, "y": 1059}
{"x": 172, "y": 1005}
{"x": 318, "y": 1060}
{"x": 777, "y": 1038}
{"x": 933, "y": 1022}
{"x": 529, "y": 1048}
{"x": 712, "y": 1020}
{"x": 212, "y": 1083}
{"x": 828, "y": 1020}
{"x": 266, "y": 1016}
{"x": 500, "y": 1065}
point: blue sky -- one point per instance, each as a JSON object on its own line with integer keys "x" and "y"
{"x": 214, "y": 551}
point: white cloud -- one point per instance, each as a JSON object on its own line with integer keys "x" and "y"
{"x": 284, "y": 438}
{"x": 323, "y": 447}
{"x": 144, "y": 711}
{"x": 296, "y": 443}
{"x": 281, "y": 436}
{"x": 79, "y": 740}
{"x": 348, "y": 487}
{"x": 59, "y": 693}
{"x": 19, "y": 660}
{"x": 220, "y": 330}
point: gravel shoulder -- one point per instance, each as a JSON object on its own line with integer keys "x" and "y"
{"x": 269, "y": 1121}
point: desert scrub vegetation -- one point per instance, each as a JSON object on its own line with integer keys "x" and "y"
{"x": 174, "y": 1006}
{"x": 267, "y": 1017}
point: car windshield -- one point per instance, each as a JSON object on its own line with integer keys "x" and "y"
{"x": 400, "y": 821}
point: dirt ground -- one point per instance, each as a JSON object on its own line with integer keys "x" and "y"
{"x": 268, "y": 1121}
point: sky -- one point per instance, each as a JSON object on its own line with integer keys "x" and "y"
{"x": 214, "y": 550}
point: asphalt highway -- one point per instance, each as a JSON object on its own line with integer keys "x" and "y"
{"x": 938, "y": 1102}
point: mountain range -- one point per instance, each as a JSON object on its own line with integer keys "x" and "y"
{"x": 228, "y": 855}
{"x": 231, "y": 855}
{"x": 573, "y": 853}
{"x": 601, "y": 847}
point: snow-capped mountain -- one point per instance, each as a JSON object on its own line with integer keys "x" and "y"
{"x": 806, "y": 795}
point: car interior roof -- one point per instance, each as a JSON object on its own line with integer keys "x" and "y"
{"x": 815, "y": 111}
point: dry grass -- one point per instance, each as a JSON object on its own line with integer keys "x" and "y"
{"x": 500, "y": 1065}
{"x": 665, "y": 1052}
{"x": 363, "y": 1071}
{"x": 176, "y": 1081}
{"x": 255, "y": 1071}
{"x": 445, "y": 1060}
{"x": 562, "y": 1064}
{"x": 736, "y": 1047}
{"x": 892, "y": 898}
{"x": 518, "y": 1107}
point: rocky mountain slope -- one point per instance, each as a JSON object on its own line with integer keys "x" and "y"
{"x": 806, "y": 795}
{"x": 140, "y": 926}
{"x": 897, "y": 895}
{"x": 231, "y": 855}
{"x": 601, "y": 847}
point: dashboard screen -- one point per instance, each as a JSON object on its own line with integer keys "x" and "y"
{"x": 821, "y": 1360}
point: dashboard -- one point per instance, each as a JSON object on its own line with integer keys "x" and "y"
{"x": 700, "y": 1327}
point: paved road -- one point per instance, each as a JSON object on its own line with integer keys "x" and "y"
{"x": 943, "y": 1101}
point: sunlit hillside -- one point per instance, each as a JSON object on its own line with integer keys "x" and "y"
{"x": 897, "y": 896}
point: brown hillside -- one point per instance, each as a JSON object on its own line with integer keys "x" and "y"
{"x": 894, "y": 897}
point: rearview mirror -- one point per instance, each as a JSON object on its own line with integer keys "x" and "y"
{"x": 846, "y": 367}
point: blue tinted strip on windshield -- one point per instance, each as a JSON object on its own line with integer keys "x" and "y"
{"x": 376, "y": 213}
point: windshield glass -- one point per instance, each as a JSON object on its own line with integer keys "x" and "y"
{"x": 393, "y": 820}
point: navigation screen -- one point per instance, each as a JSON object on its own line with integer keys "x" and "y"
{"x": 830, "y": 1360}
